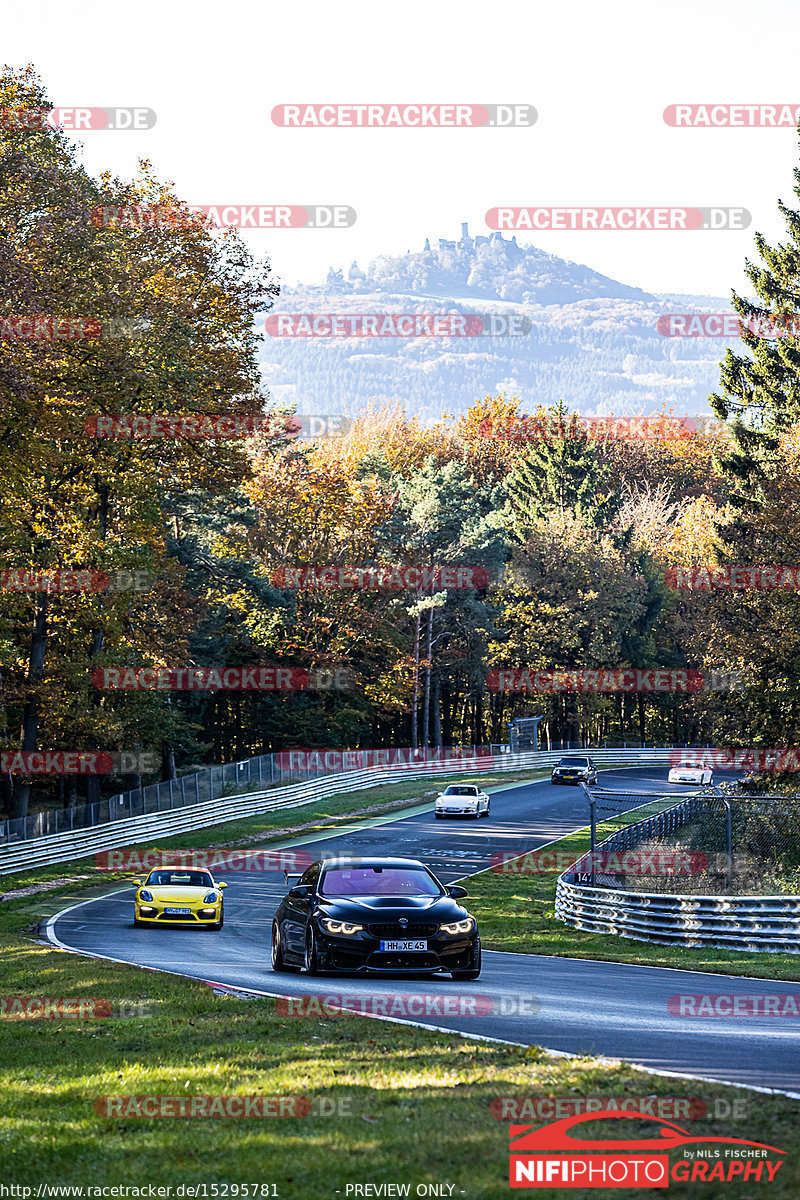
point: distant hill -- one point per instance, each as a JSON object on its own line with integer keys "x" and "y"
{"x": 593, "y": 341}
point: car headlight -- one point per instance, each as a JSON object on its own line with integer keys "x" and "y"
{"x": 145, "y": 895}
{"x": 331, "y": 926}
{"x": 210, "y": 898}
{"x": 459, "y": 926}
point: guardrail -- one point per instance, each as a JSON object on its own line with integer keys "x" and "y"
{"x": 749, "y": 923}
{"x": 72, "y": 844}
{"x": 231, "y": 779}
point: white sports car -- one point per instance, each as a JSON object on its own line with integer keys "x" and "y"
{"x": 691, "y": 773}
{"x": 462, "y": 800}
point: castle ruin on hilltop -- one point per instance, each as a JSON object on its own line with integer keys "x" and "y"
{"x": 465, "y": 242}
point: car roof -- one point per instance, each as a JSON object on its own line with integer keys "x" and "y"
{"x": 180, "y": 871}
{"x": 358, "y": 861}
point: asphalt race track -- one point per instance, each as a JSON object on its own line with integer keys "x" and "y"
{"x": 571, "y": 1005}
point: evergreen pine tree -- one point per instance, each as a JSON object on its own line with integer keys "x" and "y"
{"x": 560, "y": 472}
{"x": 760, "y": 390}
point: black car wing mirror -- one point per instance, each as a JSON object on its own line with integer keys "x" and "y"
{"x": 457, "y": 891}
{"x": 301, "y": 891}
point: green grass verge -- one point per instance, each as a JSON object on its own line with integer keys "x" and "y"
{"x": 408, "y": 1106}
{"x": 517, "y": 913}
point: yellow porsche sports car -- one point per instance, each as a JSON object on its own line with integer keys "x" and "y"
{"x": 179, "y": 896}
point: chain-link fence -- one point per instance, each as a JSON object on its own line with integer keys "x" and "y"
{"x": 717, "y": 843}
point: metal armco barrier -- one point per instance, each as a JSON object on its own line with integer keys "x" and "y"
{"x": 130, "y": 831}
{"x": 749, "y": 923}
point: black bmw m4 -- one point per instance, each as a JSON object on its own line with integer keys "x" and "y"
{"x": 385, "y": 915}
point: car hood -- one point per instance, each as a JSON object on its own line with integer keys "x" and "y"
{"x": 391, "y": 908}
{"x": 167, "y": 894}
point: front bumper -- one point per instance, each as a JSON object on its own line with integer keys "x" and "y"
{"x": 457, "y": 812}
{"x": 569, "y": 778}
{"x": 153, "y": 914}
{"x": 362, "y": 953}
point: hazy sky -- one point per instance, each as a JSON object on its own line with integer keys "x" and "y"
{"x": 599, "y": 75}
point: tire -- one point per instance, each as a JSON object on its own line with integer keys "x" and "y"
{"x": 137, "y": 924}
{"x": 218, "y": 924}
{"x": 488, "y": 807}
{"x": 473, "y": 973}
{"x": 276, "y": 949}
{"x": 310, "y": 960}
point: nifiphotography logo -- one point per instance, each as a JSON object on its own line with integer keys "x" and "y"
{"x": 549, "y": 1157}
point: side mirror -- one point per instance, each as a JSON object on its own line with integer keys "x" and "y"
{"x": 137, "y": 883}
{"x": 301, "y": 891}
{"x": 456, "y": 891}
{"x": 221, "y": 886}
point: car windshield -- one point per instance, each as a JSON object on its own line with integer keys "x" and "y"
{"x": 573, "y": 762}
{"x": 379, "y": 881}
{"x": 461, "y": 790}
{"x": 179, "y": 879}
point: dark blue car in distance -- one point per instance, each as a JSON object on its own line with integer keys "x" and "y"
{"x": 374, "y": 915}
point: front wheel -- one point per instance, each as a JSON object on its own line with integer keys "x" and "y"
{"x": 218, "y": 924}
{"x": 488, "y": 808}
{"x": 310, "y": 959}
{"x": 276, "y": 951}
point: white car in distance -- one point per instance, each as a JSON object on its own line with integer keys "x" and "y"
{"x": 691, "y": 773}
{"x": 462, "y": 800}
